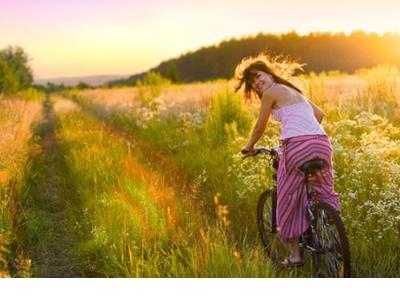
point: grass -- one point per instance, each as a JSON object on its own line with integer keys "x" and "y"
{"x": 17, "y": 117}
{"x": 49, "y": 203}
{"x": 111, "y": 186}
{"x": 360, "y": 119}
{"x": 137, "y": 224}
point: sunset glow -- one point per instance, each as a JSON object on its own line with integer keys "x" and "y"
{"x": 75, "y": 38}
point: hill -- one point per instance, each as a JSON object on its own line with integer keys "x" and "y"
{"x": 320, "y": 51}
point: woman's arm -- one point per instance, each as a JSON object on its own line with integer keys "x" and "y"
{"x": 319, "y": 115}
{"x": 259, "y": 127}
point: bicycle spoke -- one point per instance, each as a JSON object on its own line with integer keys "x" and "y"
{"x": 330, "y": 260}
{"x": 276, "y": 249}
{"x": 327, "y": 241}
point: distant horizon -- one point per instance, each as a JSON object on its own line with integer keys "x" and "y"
{"x": 91, "y": 80}
{"x": 79, "y": 76}
{"x": 77, "y": 38}
{"x": 210, "y": 45}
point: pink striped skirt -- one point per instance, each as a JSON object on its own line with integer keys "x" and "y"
{"x": 292, "y": 196}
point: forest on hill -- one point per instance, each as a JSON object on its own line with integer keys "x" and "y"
{"x": 319, "y": 51}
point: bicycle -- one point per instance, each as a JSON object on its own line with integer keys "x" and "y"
{"x": 325, "y": 239}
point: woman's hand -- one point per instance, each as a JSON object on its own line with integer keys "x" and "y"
{"x": 248, "y": 150}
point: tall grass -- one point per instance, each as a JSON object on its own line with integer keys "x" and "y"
{"x": 132, "y": 222}
{"x": 361, "y": 118}
{"x": 17, "y": 118}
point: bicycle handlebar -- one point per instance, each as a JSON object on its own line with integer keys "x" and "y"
{"x": 262, "y": 150}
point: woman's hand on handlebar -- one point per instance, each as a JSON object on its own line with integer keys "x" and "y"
{"x": 246, "y": 150}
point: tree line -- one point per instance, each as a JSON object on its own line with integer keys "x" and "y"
{"x": 318, "y": 50}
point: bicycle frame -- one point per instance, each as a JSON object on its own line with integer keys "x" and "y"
{"x": 320, "y": 238}
{"x": 311, "y": 218}
{"x": 303, "y": 243}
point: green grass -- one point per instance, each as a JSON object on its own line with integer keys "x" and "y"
{"x": 151, "y": 193}
{"x": 362, "y": 127}
{"x": 133, "y": 223}
{"x": 16, "y": 120}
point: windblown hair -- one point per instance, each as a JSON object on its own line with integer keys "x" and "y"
{"x": 280, "y": 68}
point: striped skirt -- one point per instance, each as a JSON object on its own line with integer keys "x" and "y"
{"x": 292, "y": 196}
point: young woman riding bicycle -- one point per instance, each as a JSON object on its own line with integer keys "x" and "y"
{"x": 302, "y": 139}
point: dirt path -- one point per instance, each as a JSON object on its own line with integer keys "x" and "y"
{"x": 155, "y": 160}
{"x": 163, "y": 173}
{"x": 48, "y": 234}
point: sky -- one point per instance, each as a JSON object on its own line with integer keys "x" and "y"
{"x": 97, "y": 37}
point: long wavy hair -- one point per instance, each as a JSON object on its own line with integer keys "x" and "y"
{"x": 280, "y": 68}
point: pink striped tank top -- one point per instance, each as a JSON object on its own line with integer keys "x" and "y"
{"x": 297, "y": 119}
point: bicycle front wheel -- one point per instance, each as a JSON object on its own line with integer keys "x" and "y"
{"x": 267, "y": 226}
{"x": 333, "y": 257}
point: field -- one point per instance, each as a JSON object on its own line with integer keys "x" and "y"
{"x": 149, "y": 182}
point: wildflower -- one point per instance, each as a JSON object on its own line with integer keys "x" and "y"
{"x": 216, "y": 198}
{"x": 236, "y": 254}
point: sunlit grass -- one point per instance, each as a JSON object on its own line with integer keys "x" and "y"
{"x": 16, "y": 121}
{"x": 158, "y": 188}
{"x": 179, "y": 97}
{"x": 361, "y": 118}
{"x": 134, "y": 222}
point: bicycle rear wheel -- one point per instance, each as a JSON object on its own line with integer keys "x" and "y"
{"x": 333, "y": 259}
{"x": 266, "y": 220}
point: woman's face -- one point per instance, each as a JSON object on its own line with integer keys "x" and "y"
{"x": 261, "y": 81}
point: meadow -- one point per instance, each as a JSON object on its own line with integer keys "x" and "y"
{"x": 148, "y": 181}
{"x": 17, "y": 119}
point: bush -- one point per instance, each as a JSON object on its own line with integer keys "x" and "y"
{"x": 8, "y": 79}
{"x": 227, "y": 117}
{"x": 15, "y": 72}
{"x": 32, "y": 94}
{"x": 150, "y": 87}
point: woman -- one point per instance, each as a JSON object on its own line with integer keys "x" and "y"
{"x": 302, "y": 139}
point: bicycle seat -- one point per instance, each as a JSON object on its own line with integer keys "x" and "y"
{"x": 309, "y": 167}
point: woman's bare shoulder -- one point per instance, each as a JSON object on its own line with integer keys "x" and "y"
{"x": 276, "y": 92}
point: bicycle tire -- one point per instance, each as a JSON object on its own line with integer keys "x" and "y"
{"x": 266, "y": 221}
{"x": 329, "y": 226}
